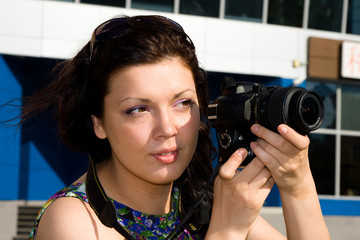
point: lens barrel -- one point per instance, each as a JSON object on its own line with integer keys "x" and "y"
{"x": 300, "y": 109}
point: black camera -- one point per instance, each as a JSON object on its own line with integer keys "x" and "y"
{"x": 242, "y": 104}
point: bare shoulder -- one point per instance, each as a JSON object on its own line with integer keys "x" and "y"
{"x": 66, "y": 218}
{"x": 70, "y": 218}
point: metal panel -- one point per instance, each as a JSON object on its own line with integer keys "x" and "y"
{"x": 324, "y": 58}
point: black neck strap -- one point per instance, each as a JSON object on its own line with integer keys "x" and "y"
{"x": 105, "y": 209}
{"x": 100, "y": 202}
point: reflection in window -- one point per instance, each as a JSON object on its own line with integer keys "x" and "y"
{"x": 115, "y": 3}
{"x": 288, "y": 13}
{"x": 353, "y": 21}
{"x": 350, "y": 107}
{"x": 244, "y": 10}
{"x": 207, "y": 8}
{"x": 350, "y": 166}
{"x": 327, "y": 92}
{"x": 155, "y": 5}
{"x": 325, "y": 15}
{"x": 322, "y": 162}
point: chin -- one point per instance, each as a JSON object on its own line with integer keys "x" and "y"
{"x": 166, "y": 178}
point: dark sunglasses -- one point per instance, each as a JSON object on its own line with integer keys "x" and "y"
{"x": 117, "y": 27}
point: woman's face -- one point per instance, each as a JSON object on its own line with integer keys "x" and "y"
{"x": 151, "y": 119}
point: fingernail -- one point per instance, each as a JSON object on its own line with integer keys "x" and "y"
{"x": 283, "y": 129}
{"x": 253, "y": 145}
{"x": 255, "y": 128}
{"x": 242, "y": 153}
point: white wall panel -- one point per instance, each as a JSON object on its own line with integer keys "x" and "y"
{"x": 20, "y": 27}
{"x": 21, "y": 18}
{"x": 226, "y": 63}
{"x": 229, "y": 37}
{"x": 195, "y": 28}
{"x": 268, "y": 66}
{"x": 275, "y": 41}
{"x": 20, "y": 45}
{"x": 58, "y": 30}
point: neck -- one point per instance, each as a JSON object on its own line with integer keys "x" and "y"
{"x": 133, "y": 192}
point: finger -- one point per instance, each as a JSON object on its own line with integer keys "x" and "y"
{"x": 271, "y": 137}
{"x": 286, "y": 141}
{"x": 267, "y": 159}
{"x": 269, "y": 183}
{"x": 300, "y": 141}
{"x": 228, "y": 169}
{"x": 261, "y": 179}
{"x": 252, "y": 170}
{"x": 278, "y": 154}
{"x": 266, "y": 188}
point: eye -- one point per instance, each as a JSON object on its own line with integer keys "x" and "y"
{"x": 183, "y": 104}
{"x": 136, "y": 110}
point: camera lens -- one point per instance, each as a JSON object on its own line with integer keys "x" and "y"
{"x": 305, "y": 111}
{"x": 309, "y": 110}
{"x": 300, "y": 109}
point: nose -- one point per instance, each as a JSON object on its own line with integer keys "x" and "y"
{"x": 165, "y": 125}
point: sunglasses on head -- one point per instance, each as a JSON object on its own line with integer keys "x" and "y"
{"x": 117, "y": 27}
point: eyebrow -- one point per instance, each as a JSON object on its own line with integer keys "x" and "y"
{"x": 147, "y": 100}
{"x": 182, "y": 92}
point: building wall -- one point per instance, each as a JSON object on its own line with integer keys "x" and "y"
{"x": 10, "y": 141}
{"x": 33, "y": 32}
{"x": 58, "y": 30}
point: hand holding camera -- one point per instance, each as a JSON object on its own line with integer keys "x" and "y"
{"x": 243, "y": 104}
{"x": 270, "y": 123}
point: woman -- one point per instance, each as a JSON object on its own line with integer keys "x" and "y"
{"x": 134, "y": 98}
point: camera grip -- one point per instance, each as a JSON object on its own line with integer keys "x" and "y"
{"x": 230, "y": 141}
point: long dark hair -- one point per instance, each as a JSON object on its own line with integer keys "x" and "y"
{"x": 81, "y": 83}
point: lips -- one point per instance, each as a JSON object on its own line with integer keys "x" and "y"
{"x": 166, "y": 156}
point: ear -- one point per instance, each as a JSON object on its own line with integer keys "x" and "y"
{"x": 98, "y": 127}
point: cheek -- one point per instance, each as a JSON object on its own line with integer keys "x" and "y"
{"x": 195, "y": 119}
{"x": 191, "y": 129}
{"x": 137, "y": 134}
{"x": 126, "y": 136}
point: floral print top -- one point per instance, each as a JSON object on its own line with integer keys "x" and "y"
{"x": 140, "y": 225}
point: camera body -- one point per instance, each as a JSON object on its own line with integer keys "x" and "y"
{"x": 242, "y": 104}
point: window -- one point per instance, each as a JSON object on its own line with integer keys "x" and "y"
{"x": 115, "y": 3}
{"x": 350, "y": 109}
{"x": 155, "y": 5}
{"x": 337, "y": 173}
{"x": 353, "y": 19}
{"x": 350, "y": 166}
{"x": 325, "y": 15}
{"x": 322, "y": 162}
{"x": 288, "y": 13}
{"x": 207, "y": 8}
{"x": 244, "y": 10}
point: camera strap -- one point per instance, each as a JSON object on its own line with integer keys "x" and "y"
{"x": 100, "y": 202}
{"x": 106, "y": 211}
